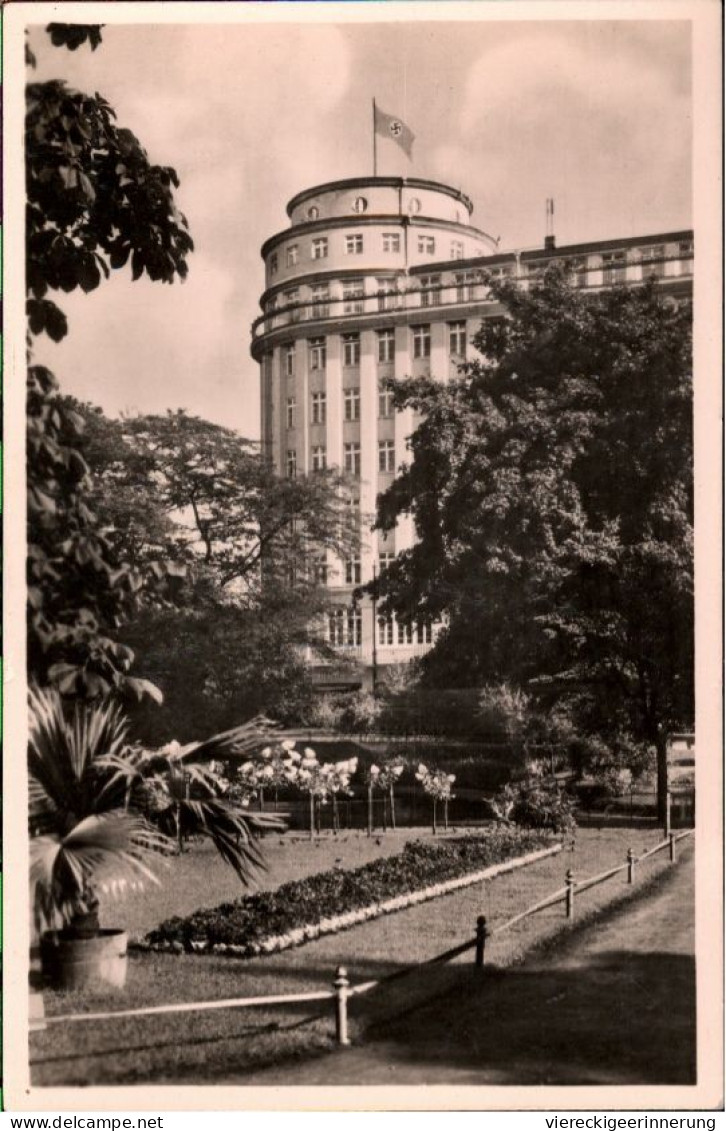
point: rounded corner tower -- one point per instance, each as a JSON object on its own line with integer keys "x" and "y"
{"x": 371, "y": 279}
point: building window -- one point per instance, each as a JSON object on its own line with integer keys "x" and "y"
{"x": 351, "y": 349}
{"x": 352, "y": 571}
{"x": 385, "y": 631}
{"x": 405, "y": 633}
{"x": 291, "y": 412}
{"x": 353, "y": 296}
{"x": 424, "y": 634}
{"x": 317, "y": 353}
{"x": 320, "y": 569}
{"x": 613, "y": 268}
{"x": 360, "y": 204}
{"x": 385, "y": 400}
{"x": 430, "y": 292}
{"x": 351, "y": 458}
{"x": 273, "y": 263}
{"x": 387, "y": 294}
{"x": 291, "y": 463}
{"x": 318, "y": 408}
{"x": 426, "y": 245}
{"x": 320, "y": 247}
{"x": 685, "y": 254}
{"x": 319, "y": 461}
{"x": 422, "y": 341}
{"x": 351, "y": 402}
{"x": 457, "y": 249}
{"x": 289, "y": 360}
{"x": 391, "y": 242}
{"x": 320, "y": 296}
{"x": 291, "y": 300}
{"x": 652, "y": 261}
{"x": 386, "y": 455}
{"x": 385, "y": 559}
{"x": 291, "y": 255}
{"x": 353, "y": 245}
{"x": 336, "y": 626}
{"x": 386, "y": 345}
{"x": 457, "y": 339}
{"x": 465, "y": 284}
{"x": 354, "y": 626}
{"x": 577, "y": 270}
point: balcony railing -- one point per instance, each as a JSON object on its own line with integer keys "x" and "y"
{"x": 455, "y": 293}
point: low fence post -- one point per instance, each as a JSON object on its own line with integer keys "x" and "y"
{"x": 570, "y": 894}
{"x": 342, "y": 986}
{"x": 481, "y": 938}
{"x": 672, "y": 847}
{"x": 631, "y": 865}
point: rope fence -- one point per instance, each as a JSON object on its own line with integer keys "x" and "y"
{"x": 342, "y": 990}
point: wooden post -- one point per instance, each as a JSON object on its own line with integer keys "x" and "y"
{"x": 570, "y": 894}
{"x": 667, "y": 829}
{"x": 342, "y": 986}
{"x": 312, "y": 815}
{"x": 393, "y": 810}
{"x": 434, "y": 816}
{"x": 370, "y": 809}
{"x": 672, "y": 848}
{"x": 481, "y": 937}
{"x": 631, "y": 865}
{"x": 446, "y": 814}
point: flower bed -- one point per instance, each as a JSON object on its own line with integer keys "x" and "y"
{"x": 331, "y": 901}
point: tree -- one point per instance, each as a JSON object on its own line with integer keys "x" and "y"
{"x": 551, "y": 487}
{"x": 94, "y": 203}
{"x": 179, "y": 489}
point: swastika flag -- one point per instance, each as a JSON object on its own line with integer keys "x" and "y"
{"x": 389, "y": 126}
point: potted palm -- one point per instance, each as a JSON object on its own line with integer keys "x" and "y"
{"x": 97, "y": 812}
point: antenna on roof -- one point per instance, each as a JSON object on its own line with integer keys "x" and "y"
{"x": 549, "y": 223}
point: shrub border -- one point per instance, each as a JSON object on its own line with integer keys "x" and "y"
{"x": 330, "y": 925}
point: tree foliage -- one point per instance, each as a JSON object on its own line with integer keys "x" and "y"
{"x": 94, "y": 203}
{"x": 551, "y": 487}
{"x": 245, "y": 545}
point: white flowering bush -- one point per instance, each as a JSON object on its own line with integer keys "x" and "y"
{"x": 385, "y": 778}
{"x": 438, "y": 785}
{"x": 322, "y": 781}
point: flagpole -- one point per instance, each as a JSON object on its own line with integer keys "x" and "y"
{"x": 375, "y": 164}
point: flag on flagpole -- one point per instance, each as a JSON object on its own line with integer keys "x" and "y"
{"x": 386, "y": 125}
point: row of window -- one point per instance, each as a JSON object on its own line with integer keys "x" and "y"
{"x": 345, "y": 629}
{"x": 386, "y": 347}
{"x": 351, "y": 406}
{"x": 354, "y": 296}
{"x": 351, "y": 458}
{"x": 354, "y": 243}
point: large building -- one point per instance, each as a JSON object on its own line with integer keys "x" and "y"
{"x": 381, "y": 277}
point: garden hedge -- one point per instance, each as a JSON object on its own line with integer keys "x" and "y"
{"x": 301, "y": 910}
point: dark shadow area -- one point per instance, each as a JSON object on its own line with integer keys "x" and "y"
{"x": 618, "y": 1018}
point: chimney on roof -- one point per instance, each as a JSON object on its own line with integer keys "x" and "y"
{"x": 549, "y": 224}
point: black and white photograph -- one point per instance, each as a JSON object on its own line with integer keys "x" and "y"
{"x": 363, "y": 544}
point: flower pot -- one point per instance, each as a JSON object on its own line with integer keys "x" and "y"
{"x": 73, "y": 963}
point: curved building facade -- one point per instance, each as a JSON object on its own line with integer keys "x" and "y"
{"x": 380, "y": 277}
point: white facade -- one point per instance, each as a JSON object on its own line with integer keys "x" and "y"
{"x": 382, "y": 277}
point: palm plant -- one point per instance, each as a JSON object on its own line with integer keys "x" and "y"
{"x": 184, "y": 797}
{"x": 99, "y": 807}
{"x": 83, "y": 838}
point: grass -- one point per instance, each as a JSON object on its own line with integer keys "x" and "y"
{"x": 226, "y": 1044}
{"x": 199, "y": 878}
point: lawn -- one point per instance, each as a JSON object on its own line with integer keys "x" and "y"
{"x": 199, "y": 878}
{"x": 223, "y": 1045}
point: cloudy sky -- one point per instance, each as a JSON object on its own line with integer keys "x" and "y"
{"x": 596, "y": 114}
